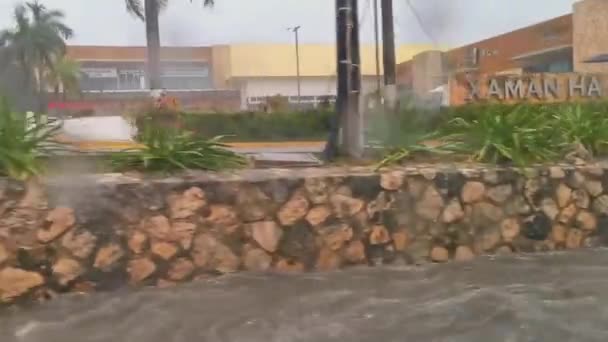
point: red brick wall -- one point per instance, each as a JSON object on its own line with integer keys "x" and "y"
{"x": 552, "y": 33}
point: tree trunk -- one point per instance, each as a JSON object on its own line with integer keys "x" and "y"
{"x": 153, "y": 38}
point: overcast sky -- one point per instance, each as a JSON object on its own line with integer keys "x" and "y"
{"x": 447, "y": 22}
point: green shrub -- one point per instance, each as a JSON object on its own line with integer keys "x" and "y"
{"x": 290, "y": 126}
{"x": 586, "y": 125}
{"x": 22, "y": 141}
{"x": 525, "y": 134}
{"x": 403, "y": 135}
{"x": 170, "y": 149}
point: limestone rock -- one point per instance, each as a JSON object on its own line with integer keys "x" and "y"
{"x": 419, "y": 250}
{"x": 531, "y": 189}
{"x": 336, "y": 236}
{"x": 288, "y": 266}
{"x": 470, "y": 173}
{"x": 267, "y": 234}
{"x": 491, "y": 176}
{"x": 137, "y": 242}
{"x": 559, "y": 233}
{"x": 223, "y": 218}
{"x": 581, "y": 199}
{"x": 379, "y": 235}
{"x": 537, "y": 227}
{"x": 61, "y": 220}
{"x": 574, "y": 238}
{"x": 576, "y": 180}
{"x": 210, "y": 254}
{"x": 318, "y": 215}
{"x": 487, "y": 239}
{"x": 428, "y": 173}
{"x": 67, "y": 270}
{"x": 563, "y": 194}
{"x": 592, "y": 242}
{"x": 294, "y": 210}
{"x": 328, "y": 260}
{"x": 401, "y": 240}
{"x": 464, "y": 254}
{"x": 140, "y": 269}
{"x": 80, "y": 244}
{"x": 557, "y": 172}
{"x": 594, "y": 188}
{"x": 257, "y": 260}
{"x": 549, "y": 207}
{"x": 453, "y": 212}
{"x": 158, "y": 227}
{"x": 416, "y": 187}
{"x": 594, "y": 170}
{"x": 440, "y": 254}
{"x": 473, "y": 192}
{"x": 345, "y": 206}
{"x": 392, "y": 180}
{"x": 317, "y": 190}
{"x": 3, "y": 254}
{"x": 510, "y": 229}
{"x": 164, "y": 250}
{"x": 180, "y": 269}
{"x": 344, "y": 190}
{"x": 182, "y": 233}
{"x": 500, "y": 194}
{"x": 382, "y": 203}
{"x": 486, "y": 213}
{"x": 165, "y": 284}
{"x": 253, "y": 204}
{"x": 15, "y": 282}
{"x": 430, "y": 205}
{"x": 586, "y": 221}
{"x": 517, "y": 206}
{"x": 355, "y": 252}
{"x": 108, "y": 256}
{"x": 504, "y": 250}
{"x": 600, "y": 205}
{"x": 187, "y": 204}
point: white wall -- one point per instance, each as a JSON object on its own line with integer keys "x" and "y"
{"x": 288, "y": 86}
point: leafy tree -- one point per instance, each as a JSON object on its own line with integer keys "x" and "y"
{"x": 66, "y": 73}
{"x": 149, "y": 12}
{"x": 35, "y": 42}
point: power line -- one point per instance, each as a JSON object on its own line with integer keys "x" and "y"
{"x": 420, "y": 22}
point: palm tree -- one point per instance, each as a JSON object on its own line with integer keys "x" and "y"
{"x": 65, "y": 74}
{"x": 36, "y": 41}
{"x": 149, "y": 12}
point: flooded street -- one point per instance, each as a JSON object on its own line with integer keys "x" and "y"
{"x": 550, "y": 297}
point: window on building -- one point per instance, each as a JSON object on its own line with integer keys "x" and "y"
{"x": 99, "y": 79}
{"x": 130, "y": 79}
{"x": 559, "y": 66}
{"x": 186, "y": 77}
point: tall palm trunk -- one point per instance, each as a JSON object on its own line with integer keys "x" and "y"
{"x": 153, "y": 38}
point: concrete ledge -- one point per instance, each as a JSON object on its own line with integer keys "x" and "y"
{"x": 104, "y": 232}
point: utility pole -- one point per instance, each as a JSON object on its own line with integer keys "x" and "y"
{"x": 377, "y": 43}
{"x": 390, "y": 64}
{"x": 296, "y": 31}
{"x": 341, "y": 136}
{"x": 355, "y": 129}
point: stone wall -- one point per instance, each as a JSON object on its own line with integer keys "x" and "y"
{"x": 99, "y": 233}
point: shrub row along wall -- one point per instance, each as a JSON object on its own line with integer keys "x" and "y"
{"x": 105, "y": 232}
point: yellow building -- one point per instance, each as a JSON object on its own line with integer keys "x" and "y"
{"x": 262, "y": 70}
{"x": 256, "y": 71}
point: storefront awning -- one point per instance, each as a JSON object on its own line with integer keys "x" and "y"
{"x": 602, "y": 58}
{"x": 551, "y": 52}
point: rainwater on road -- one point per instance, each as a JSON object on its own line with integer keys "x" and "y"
{"x": 549, "y": 297}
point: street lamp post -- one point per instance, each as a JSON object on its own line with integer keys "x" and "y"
{"x": 296, "y": 30}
